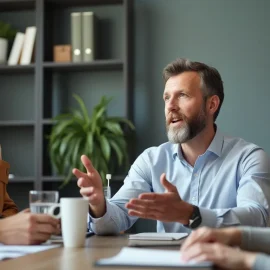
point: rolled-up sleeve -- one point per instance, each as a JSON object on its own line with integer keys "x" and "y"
{"x": 116, "y": 218}
{"x": 253, "y": 196}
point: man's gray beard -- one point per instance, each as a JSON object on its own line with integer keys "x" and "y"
{"x": 176, "y": 135}
{"x": 189, "y": 130}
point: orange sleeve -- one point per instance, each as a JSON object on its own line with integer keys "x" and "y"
{"x": 9, "y": 207}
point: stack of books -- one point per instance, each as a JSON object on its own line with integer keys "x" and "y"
{"x": 22, "y": 50}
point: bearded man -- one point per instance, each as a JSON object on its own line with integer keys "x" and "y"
{"x": 199, "y": 178}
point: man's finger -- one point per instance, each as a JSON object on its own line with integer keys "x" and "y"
{"x": 152, "y": 196}
{"x": 78, "y": 173}
{"x": 83, "y": 182}
{"x": 142, "y": 215}
{"x": 145, "y": 204}
{"x": 87, "y": 164}
{"x": 166, "y": 184}
{"x": 87, "y": 191}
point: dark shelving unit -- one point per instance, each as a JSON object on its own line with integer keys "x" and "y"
{"x": 97, "y": 65}
{"x": 13, "y": 5}
{"x": 22, "y": 180}
{"x": 19, "y": 123}
{"x": 46, "y": 87}
{"x": 11, "y": 70}
{"x": 60, "y": 178}
{"x": 72, "y": 3}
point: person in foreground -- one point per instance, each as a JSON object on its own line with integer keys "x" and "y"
{"x": 199, "y": 178}
{"x": 221, "y": 246}
{"x": 22, "y": 228}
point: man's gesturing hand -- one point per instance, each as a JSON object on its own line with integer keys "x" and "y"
{"x": 90, "y": 185}
{"x": 166, "y": 207}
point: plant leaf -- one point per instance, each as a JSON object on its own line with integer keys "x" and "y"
{"x": 114, "y": 128}
{"x": 118, "y": 151}
{"x": 121, "y": 119}
{"x": 98, "y": 136}
{"x": 105, "y": 147}
{"x": 90, "y": 142}
{"x": 83, "y": 109}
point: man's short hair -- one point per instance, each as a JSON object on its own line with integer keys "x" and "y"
{"x": 211, "y": 82}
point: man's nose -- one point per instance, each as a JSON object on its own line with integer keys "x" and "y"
{"x": 172, "y": 105}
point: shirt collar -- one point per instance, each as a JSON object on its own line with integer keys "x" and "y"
{"x": 214, "y": 147}
{"x": 217, "y": 143}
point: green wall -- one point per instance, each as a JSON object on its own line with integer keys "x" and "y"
{"x": 231, "y": 35}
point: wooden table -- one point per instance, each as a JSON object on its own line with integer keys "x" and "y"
{"x": 73, "y": 258}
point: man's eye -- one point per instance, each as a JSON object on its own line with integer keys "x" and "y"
{"x": 182, "y": 95}
{"x": 166, "y": 98}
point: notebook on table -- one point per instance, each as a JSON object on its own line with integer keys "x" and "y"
{"x": 156, "y": 239}
{"x": 144, "y": 257}
{"x": 158, "y": 236}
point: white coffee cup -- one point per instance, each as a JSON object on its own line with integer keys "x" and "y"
{"x": 73, "y": 213}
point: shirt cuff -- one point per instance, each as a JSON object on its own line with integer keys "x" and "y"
{"x": 104, "y": 224}
{"x": 104, "y": 218}
{"x": 209, "y": 218}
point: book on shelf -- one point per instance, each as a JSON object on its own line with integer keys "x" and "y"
{"x": 16, "y": 49}
{"x": 76, "y": 36}
{"x": 89, "y": 25}
{"x": 28, "y": 45}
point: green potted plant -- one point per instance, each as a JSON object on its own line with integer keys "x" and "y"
{"x": 98, "y": 136}
{"x": 6, "y": 33}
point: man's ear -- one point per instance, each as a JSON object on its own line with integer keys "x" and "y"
{"x": 213, "y": 104}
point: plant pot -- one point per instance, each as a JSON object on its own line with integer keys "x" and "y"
{"x": 3, "y": 50}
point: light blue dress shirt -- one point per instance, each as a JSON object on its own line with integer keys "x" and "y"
{"x": 230, "y": 183}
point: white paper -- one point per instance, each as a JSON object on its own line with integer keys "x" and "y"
{"x": 12, "y": 251}
{"x": 158, "y": 236}
{"x": 150, "y": 257}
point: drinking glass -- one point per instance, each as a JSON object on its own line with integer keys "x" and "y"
{"x": 41, "y": 201}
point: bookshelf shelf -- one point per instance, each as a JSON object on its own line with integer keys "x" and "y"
{"x": 24, "y": 179}
{"x": 17, "y": 123}
{"x": 55, "y": 179}
{"x": 5, "y": 69}
{"x": 47, "y": 121}
{"x": 13, "y": 5}
{"x": 93, "y": 66}
{"x": 117, "y": 178}
{"x": 72, "y": 3}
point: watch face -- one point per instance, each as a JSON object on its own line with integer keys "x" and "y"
{"x": 195, "y": 223}
{"x": 196, "y": 218}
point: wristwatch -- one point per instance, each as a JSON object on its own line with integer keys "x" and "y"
{"x": 195, "y": 219}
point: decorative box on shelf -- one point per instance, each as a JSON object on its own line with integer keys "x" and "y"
{"x": 62, "y": 53}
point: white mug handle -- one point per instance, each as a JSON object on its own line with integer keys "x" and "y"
{"x": 52, "y": 209}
